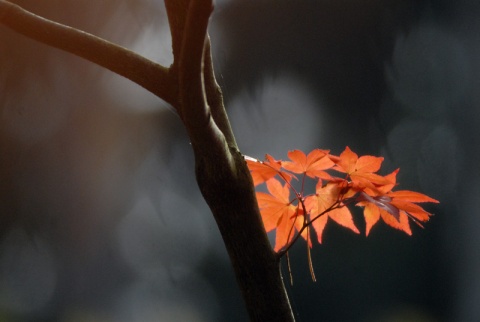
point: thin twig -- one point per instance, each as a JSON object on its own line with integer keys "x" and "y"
{"x": 309, "y": 256}
{"x": 297, "y": 236}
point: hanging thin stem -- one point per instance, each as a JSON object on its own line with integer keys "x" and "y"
{"x": 289, "y": 269}
{"x": 309, "y": 256}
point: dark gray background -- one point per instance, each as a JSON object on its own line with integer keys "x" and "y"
{"x": 100, "y": 216}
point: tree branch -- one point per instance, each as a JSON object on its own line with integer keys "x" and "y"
{"x": 215, "y": 97}
{"x": 202, "y": 129}
{"x": 223, "y": 177}
{"x": 150, "y": 75}
{"x": 177, "y": 16}
{"x": 193, "y": 75}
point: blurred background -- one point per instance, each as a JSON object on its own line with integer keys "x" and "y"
{"x": 100, "y": 215}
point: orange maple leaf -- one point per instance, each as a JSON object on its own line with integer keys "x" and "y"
{"x": 318, "y": 205}
{"x": 278, "y": 212}
{"x": 262, "y": 171}
{"x": 360, "y": 170}
{"x": 313, "y": 164}
{"x": 373, "y": 213}
{"x": 394, "y": 207}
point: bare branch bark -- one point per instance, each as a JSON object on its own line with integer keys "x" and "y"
{"x": 197, "y": 117}
{"x": 215, "y": 97}
{"x": 223, "y": 176}
{"x": 152, "y": 76}
{"x": 177, "y": 16}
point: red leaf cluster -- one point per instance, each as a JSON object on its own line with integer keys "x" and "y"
{"x": 292, "y": 212}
